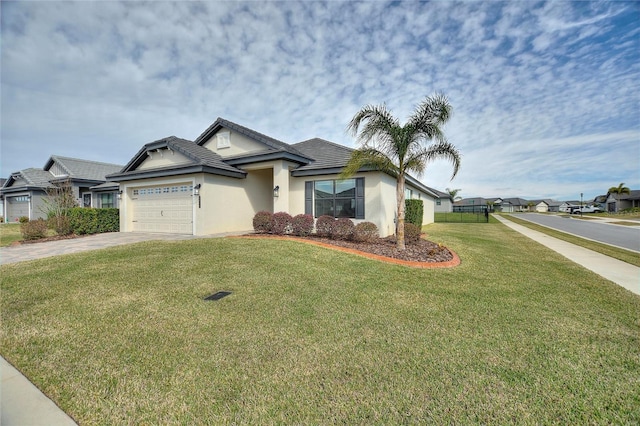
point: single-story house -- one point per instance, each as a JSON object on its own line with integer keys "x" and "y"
{"x": 218, "y": 183}
{"x": 444, "y": 201}
{"x": 25, "y": 192}
{"x": 619, "y": 202}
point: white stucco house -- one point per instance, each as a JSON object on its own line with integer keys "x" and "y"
{"x": 218, "y": 183}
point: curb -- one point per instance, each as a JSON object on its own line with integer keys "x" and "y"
{"x": 412, "y": 264}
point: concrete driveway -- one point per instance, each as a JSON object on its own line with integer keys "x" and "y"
{"x": 40, "y": 250}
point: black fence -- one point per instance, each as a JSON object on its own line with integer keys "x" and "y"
{"x": 468, "y": 216}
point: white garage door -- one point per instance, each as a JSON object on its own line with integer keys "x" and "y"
{"x": 163, "y": 208}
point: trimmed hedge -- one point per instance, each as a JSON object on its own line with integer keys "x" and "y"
{"x": 281, "y": 223}
{"x": 413, "y": 212}
{"x": 325, "y": 225}
{"x": 343, "y": 229}
{"x": 262, "y": 222}
{"x": 411, "y": 233}
{"x": 94, "y": 221}
{"x": 302, "y": 225}
{"x": 365, "y": 232}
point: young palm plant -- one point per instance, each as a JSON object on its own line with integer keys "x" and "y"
{"x": 396, "y": 149}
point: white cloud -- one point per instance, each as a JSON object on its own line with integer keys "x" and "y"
{"x": 553, "y": 84}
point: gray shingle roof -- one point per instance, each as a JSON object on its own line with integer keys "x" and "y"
{"x": 36, "y": 177}
{"x": 200, "y": 157}
{"x": 325, "y": 154}
{"x": 83, "y": 169}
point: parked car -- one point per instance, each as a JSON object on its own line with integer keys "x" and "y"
{"x": 587, "y": 209}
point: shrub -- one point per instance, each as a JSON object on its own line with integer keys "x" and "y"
{"x": 413, "y": 211}
{"x": 365, "y": 232}
{"x": 93, "y": 221}
{"x": 281, "y": 223}
{"x": 325, "y": 225}
{"x": 108, "y": 220}
{"x": 61, "y": 224}
{"x": 23, "y": 219}
{"x": 34, "y": 229}
{"x": 411, "y": 233}
{"x": 302, "y": 225}
{"x": 343, "y": 229}
{"x": 262, "y": 222}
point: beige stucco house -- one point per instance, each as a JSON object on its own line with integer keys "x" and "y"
{"x": 218, "y": 182}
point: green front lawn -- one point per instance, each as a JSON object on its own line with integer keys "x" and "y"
{"x": 9, "y": 233}
{"x": 515, "y": 334}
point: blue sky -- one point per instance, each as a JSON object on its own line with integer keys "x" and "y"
{"x": 546, "y": 96}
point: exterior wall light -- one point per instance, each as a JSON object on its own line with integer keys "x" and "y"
{"x": 196, "y": 191}
{"x": 276, "y": 191}
{"x": 119, "y": 195}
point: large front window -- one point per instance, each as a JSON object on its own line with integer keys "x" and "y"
{"x": 337, "y": 198}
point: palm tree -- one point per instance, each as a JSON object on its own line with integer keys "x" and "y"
{"x": 454, "y": 194}
{"x": 396, "y": 149}
{"x": 619, "y": 190}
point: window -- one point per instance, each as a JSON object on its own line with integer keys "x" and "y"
{"x": 106, "y": 201}
{"x": 337, "y": 198}
{"x": 438, "y": 202}
{"x": 86, "y": 200}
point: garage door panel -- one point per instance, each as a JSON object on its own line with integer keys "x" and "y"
{"x": 166, "y": 208}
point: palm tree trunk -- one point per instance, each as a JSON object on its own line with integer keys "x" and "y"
{"x": 400, "y": 224}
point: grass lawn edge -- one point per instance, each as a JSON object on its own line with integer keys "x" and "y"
{"x": 455, "y": 261}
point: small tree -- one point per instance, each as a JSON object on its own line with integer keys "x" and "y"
{"x": 56, "y": 206}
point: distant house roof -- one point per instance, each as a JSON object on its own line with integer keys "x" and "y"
{"x": 56, "y": 169}
{"x": 440, "y": 194}
{"x": 474, "y": 201}
{"x": 82, "y": 169}
{"x": 634, "y": 194}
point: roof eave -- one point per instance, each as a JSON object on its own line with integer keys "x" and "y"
{"x": 175, "y": 171}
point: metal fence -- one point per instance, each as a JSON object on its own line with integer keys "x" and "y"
{"x": 478, "y": 216}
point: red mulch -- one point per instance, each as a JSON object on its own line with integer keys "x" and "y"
{"x": 420, "y": 251}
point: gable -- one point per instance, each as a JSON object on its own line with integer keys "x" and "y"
{"x": 163, "y": 158}
{"x": 228, "y": 143}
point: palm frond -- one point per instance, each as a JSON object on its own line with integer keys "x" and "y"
{"x": 442, "y": 150}
{"x": 368, "y": 158}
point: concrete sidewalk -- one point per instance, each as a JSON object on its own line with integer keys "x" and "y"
{"x": 621, "y": 273}
{"x": 22, "y": 404}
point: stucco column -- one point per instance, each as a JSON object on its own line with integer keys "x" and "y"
{"x": 281, "y": 180}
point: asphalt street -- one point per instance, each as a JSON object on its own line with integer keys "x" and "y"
{"x": 627, "y": 237}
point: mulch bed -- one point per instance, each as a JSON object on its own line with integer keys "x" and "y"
{"x": 420, "y": 251}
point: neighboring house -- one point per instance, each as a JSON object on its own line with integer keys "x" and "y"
{"x": 218, "y": 183}
{"x": 443, "y": 202}
{"x": 477, "y": 204}
{"x": 540, "y": 206}
{"x": 25, "y": 192}
{"x": 619, "y": 202}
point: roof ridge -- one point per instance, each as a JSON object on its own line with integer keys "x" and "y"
{"x": 84, "y": 160}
